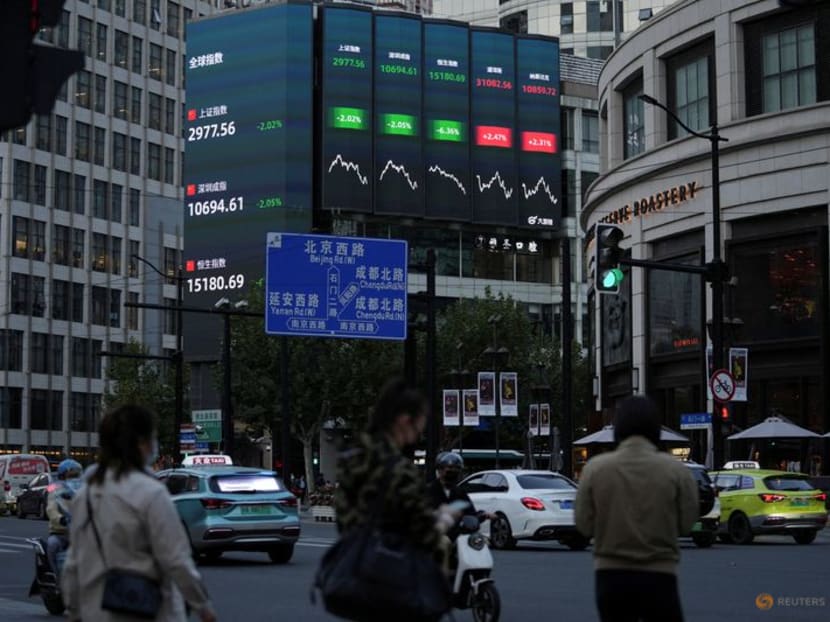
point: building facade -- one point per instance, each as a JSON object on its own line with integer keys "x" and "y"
{"x": 84, "y": 190}
{"x": 762, "y": 72}
{"x": 585, "y": 28}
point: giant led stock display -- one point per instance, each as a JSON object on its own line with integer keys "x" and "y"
{"x": 248, "y": 148}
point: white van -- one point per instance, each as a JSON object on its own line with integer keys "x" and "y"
{"x": 17, "y": 469}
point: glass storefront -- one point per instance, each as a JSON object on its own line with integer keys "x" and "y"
{"x": 674, "y": 309}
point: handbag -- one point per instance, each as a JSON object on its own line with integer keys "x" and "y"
{"x": 125, "y": 591}
{"x": 373, "y": 573}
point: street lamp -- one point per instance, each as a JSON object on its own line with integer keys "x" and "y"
{"x": 459, "y": 377}
{"x": 179, "y": 357}
{"x": 224, "y": 304}
{"x": 498, "y": 356}
{"x": 717, "y": 267}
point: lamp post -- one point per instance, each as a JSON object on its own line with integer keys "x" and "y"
{"x": 716, "y": 267}
{"x": 498, "y": 357}
{"x": 179, "y": 356}
{"x": 224, "y": 305}
{"x": 459, "y": 378}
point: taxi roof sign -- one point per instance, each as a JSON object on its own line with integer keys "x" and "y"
{"x": 207, "y": 460}
{"x": 741, "y": 464}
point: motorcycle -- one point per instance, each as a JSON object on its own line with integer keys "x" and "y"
{"x": 473, "y": 587}
{"x": 47, "y": 579}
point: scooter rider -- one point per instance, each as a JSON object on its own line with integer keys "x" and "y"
{"x": 449, "y": 467}
{"x": 69, "y": 473}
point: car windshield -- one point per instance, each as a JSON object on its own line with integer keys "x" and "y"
{"x": 245, "y": 483}
{"x": 544, "y": 482}
{"x": 701, "y": 475}
{"x": 788, "y": 483}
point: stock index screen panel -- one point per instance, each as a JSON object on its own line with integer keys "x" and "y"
{"x": 446, "y": 121}
{"x": 398, "y": 174}
{"x": 346, "y": 157}
{"x": 537, "y": 94}
{"x": 248, "y": 158}
{"x": 493, "y": 118}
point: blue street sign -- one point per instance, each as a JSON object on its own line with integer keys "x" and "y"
{"x": 202, "y": 446}
{"x": 328, "y": 286}
{"x": 695, "y": 421}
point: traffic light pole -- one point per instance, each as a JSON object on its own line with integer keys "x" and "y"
{"x": 567, "y": 381}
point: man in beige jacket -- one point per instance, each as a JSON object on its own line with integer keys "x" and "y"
{"x": 635, "y": 502}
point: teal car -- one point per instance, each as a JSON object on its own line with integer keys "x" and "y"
{"x": 228, "y": 508}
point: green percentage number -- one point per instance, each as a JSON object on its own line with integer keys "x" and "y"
{"x": 267, "y": 126}
{"x": 269, "y": 202}
{"x": 345, "y": 61}
{"x": 399, "y": 124}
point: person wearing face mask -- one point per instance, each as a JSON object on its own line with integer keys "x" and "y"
{"x": 449, "y": 467}
{"x": 378, "y": 465}
{"x": 124, "y": 522}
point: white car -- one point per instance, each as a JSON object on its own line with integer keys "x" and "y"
{"x": 528, "y": 505}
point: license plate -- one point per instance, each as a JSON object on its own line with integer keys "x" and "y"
{"x": 256, "y": 510}
{"x": 567, "y": 504}
{"x": 799, "y": 503}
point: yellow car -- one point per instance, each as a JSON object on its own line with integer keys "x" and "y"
{"x": 757, "y": 502}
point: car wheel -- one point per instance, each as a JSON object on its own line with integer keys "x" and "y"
{"x": 805, "y": 536}
{"x": 501, "y": 535}
{"x": 576, "y": 542}
{"x": 281, "y": 554}
{"x": 739, "y": 529}
{"x": 703, "y": 540}
{"x": 41, "y": 511}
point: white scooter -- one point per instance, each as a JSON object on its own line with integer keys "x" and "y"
{"x": 473, "y": 587}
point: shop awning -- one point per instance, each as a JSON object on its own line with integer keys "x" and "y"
{"x": 774, "y": 427}
{"x": 605, "y": 436}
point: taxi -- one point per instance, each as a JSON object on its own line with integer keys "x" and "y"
{"x": 231, "y": 508}
{"x": 762, "y": 502}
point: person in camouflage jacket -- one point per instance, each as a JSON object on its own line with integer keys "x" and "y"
{"x": 397, "y": 423}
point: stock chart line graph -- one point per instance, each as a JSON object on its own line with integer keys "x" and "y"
{"x": 507, "y": 191}
{"x": 447, "y": 175}
{"x": 349, "y": 166}
{"x": 542, "y": 184}
{"x": 401, "y": 170}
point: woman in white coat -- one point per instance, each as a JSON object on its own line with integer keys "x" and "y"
{"x": 137, "y": 525}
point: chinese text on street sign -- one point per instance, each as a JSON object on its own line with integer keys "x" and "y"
{"x": 328, "y": 286}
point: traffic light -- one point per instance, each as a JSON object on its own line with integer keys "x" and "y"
{"x": 32, "y": 74}
{"x": 725, "y": 412}
{"x": 607, "y": 273}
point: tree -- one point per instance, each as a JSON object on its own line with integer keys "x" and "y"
{"x": 329, "y": 380}
{"x": 148, "y": 383}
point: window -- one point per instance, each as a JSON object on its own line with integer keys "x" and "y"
{"x": 100, "y": 304}
{"x": 22, "y": 181}
{"x": 140, "y": 11}
{"x": 83, "y": 88}
{"x": 101, "y": 42}
{"x": 100, "y": 147}
{"x": 566, "y": 18}
{"x": 169, "y": 116}
{"x": 132, "y": 312}
{"x": 62, "y": 191}
{"x": 38, "y": 353}
{"x": 40, "y": 185}
{"x": 19, "y": 136}
{"x": 21, "y": 237}
{"x": 154, "y": 68}
{"x": 120, "y": 8}
{"x": 138, "y": 55}
{"x": 600, "y": 18}
{"x": 11, "y": 407}
{"x": 135, "y": 208}
{"x": 11, "y": 350}
{"x": 599, "y": 52}
{"x": 169, "y": 316}
{"x": 547, "y": 481}
{"x": 78, "y": 244}
{"x": 104, "y": 4}
{"x": 61, "y": 245}
{"x": 79, "y": 192}
{"x": 154, "y": 111}
{"x": 60, "y": 135}
{"x": 116, "y": 200}
{"x": 132, "y": 260}
{"x": 37, "y": 242}
{"x": 121, "y": 51}
{"x": 77, "y": 302}
{"x": 515, "y": 22}
{"x": 99, "y": 199}
{"x": 60, "y": 300}
{"x": 169, "y": 165}
{"x": 155, "y": 14}
{"x": 634, "y": 133}
{"x": 135, "y": 156}
{"x": 590, "y": 131}
{"x": 569, "y": 192}
{"x": 119, "y": 151}
{"x": 115, "y": 255}
{"x": 586, "y": 180}
{"x": 135, "y": 105}
{"x": 119, "y": 100}
{"x": 171, "y": 260}
{"x": 789, "y": 68}
{"x": 154, "y": 161}
{"x": 172, "y": 19}
{"x": 43, "y": 132}
{"x": 85, "y": 35}
{"x": 82, "y": 141}
{"x": 690, "y": 82}
{"x": 27, "y": 295}
{"x": 62, "y": 37}
{"x": 99, "y": 252}
{"x": 115, "y": 310}
{"x": 170, "y": 68}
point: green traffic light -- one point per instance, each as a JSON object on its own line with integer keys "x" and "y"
{"x": 612, "y": 278}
